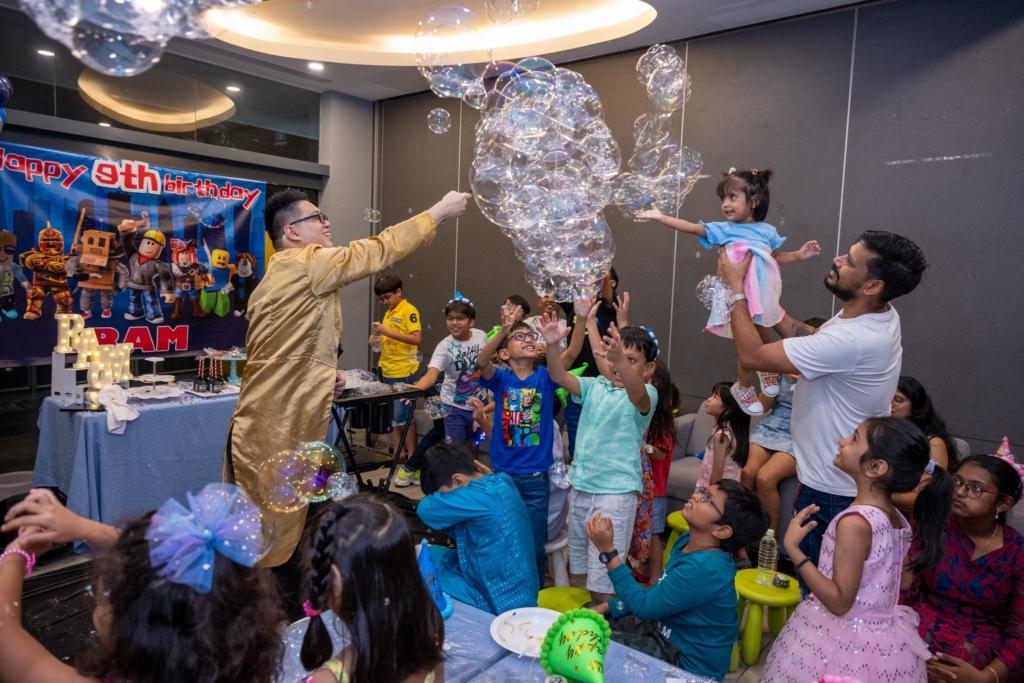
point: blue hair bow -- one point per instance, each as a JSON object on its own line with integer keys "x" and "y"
{"x": 182, "y": 542}
{"x": 458, "y": 297}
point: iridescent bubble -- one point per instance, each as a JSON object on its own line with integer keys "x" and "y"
{"x": 208, "y": 211}
{"x": 371, "y": 215}
{"x": 559, "y": 474}
{"x": 436, "y": 409}
{"x": 439, "y": 121}
{"x": 504, "y": 11}
{"x": 714, "y": 294}
{"x": 343, "y": 486}
{"x": 276, "y": 481}
{"x": 112, "y": 51}
{"x": 452, "y": 52}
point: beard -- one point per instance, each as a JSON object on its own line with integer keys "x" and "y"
{"x": 841, "y": 293}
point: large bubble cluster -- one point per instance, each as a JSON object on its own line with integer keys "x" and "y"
{"x": 661, "y": 170}
{"x": 453, "y": 55}
{"x": 544, "y": 168}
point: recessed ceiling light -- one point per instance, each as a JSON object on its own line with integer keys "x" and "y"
{"x": 45, "y": 53}
{"x": 105, "y": 125}
{"x": 316, "y": 66}
{"x": 234, "y": 88}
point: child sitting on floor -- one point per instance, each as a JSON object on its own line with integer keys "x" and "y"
{"x": 362, "y": 567}
{"x": 491, "y": 566}
{"x": 689, "y": 617}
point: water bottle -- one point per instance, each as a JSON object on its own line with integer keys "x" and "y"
{"x": 376, "y": 345}
{"x": 766, "y": 559}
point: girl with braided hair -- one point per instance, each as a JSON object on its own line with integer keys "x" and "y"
{"x": 361, "y": 565}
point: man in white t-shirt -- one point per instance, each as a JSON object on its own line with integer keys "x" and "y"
{"x": 848, "y": 367}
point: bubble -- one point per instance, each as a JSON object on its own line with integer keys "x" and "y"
{"x": 371, "y": 215}
{"x": 559, "y": 474}
{"x": 439, "y": 121}
{"x": 112, "y": 51}
{"x": 6, "y": 90}
{"x": 208, "y": 211}
{"x": 714, "y": 294}
{"x": 343, "y": 486}
{"x": 415, "y": 357}
{"x": 452, "y": 52}
{"x": 436, "y": 410}
{"x": 504, "y": 11}
{"x": 311, "y": 473}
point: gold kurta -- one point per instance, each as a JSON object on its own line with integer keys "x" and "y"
{"x": 292, "y": 344}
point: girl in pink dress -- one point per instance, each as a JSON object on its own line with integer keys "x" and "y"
{"x": 851, "y": 624}
{"x": 729, "y": 444}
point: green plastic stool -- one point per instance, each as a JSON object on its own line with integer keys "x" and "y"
{"x": 679, "y": 526}
{"x": 562, "y": 598}
{"x": 779, "y": 601}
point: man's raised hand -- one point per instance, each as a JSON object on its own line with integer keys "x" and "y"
{"x": 452, "y": 205}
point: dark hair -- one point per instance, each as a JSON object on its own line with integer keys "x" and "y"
{"x": 517, "y": 325}
{"x": 387, "y": 284}
{"x": 394, "y": 626}
{"x": 753, "y": 185}
{"x": 735, "y": 420}
{"x": 275, "y": 214}
{"x": 745, "y": 513}
{"x": 899, "y": 263}
{"x": 517, "y": 300}
{"x": 663, "y": 424}
{"x": 1008, "y": 482}
{"x": 636, "y": 337}
{"x": 166, "y": 632}
{"x": 247, "y": 258}
{"x": 441, "y": 463}
{"x": 922, "y": 413}
{"x": 903, "y": 446}
{"x": 815, "y": 322}
{"x": 460, "y": 308}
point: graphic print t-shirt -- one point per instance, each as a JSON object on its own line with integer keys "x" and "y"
{"x": 457, "y": 360}
{"x": 524, "y": 414}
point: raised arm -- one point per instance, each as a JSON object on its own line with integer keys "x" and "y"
{"x": 653, "y": 214}
{"x": 634, "y": 384}
{"x": 45, "y": 520}
{"x": 790, "y": 327}
{"x": 483, "y": 359}
{"x": 809, "y": 250}
{"x": 597, "y": 346}
{"x": 582, "y": 308}
{"x": 553, "y": 334}
{"x": 428, "y": 379}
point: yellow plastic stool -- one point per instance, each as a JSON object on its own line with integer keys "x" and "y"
{"x": 780, "y": 603}
{"x": 562, "y": 598}
{"x": 679, "y": 526}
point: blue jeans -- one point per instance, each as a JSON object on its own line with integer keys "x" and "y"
{"x": 144, "y": 302}
{"x": 429, "y": 440}
{"x": 400, "y": 411}
{"x": 535, "y": 492}
{"x": 571, "y": 417}
{"x": 829, "y": 506}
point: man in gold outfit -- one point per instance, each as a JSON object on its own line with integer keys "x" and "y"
{"x": 294, "y": 334}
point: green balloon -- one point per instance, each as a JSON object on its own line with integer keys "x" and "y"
{"x": 575, "y": 646}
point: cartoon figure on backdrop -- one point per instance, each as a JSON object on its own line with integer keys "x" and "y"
{"x": 9, "y": 272}
{"x": 145, "y": 269}
{"x": 94, "y": 262}
{"x": 244, "y": 281}
{"x": 214, "y": 297}
{"x": 189, "y": 277}
{"x": 49, "y": 273}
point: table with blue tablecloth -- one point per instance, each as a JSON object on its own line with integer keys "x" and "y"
{"x": 175, "y": 445}
{"x": 471, "y": 655}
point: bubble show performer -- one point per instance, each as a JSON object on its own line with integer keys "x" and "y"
{"x": 294, "y": 334}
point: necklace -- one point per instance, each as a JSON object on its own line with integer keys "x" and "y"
{"x": 977, "y": 550}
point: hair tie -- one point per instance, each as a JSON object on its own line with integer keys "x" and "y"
{"x": 930, "y": 467}
{"x": 753, "y": 171}
{"x": 310, "y": 612}
{"x": 732, "y": 170}
{"x": 458, "y": 297}
{"x": 657, "y": 346}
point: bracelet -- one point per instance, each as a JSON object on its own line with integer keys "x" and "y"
{"x": 796, "y": 567}
{"x": 989, "y": 668}
{"x": 30, "y": 559}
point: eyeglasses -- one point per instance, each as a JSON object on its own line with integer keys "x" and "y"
{"x": 525, "y": 336}
{"x": 322, "y": 217}
{"x": 706, "y": 497}
{"x": 899, "y": 400}
{"x": 383, "y": 298}
{"x": 973, "y": 490}
{"x": 456, "y": 318}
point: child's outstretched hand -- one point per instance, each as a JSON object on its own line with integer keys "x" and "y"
{"x": 798, "y": 528}
{"x": 809, "y": 250}
{"x": 583, "y": 305}
{"x": 621, "y": 305}
{"x": 550, "y": 330}
{"x": 613, "y": 350}
{"x": 509, "y": 315}
{"x": 651, "y": 214}
{"x": 479, "y": 414}
{"x": 601, "y": 533}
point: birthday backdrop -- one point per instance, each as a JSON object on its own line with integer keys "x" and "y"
{"x": 200, "y": 242}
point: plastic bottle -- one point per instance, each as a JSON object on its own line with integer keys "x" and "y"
{"x": 766, "y": 557}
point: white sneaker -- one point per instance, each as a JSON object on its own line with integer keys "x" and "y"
{"x": 769, "y": 383}
{"x": 747, "y": 398}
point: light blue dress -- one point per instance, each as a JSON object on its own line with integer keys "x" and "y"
{"x": 772, "y": 433}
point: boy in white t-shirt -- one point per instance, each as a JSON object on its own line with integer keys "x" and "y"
{"x": 848, "y": 369}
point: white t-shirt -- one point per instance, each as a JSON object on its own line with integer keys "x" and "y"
{"x": 457, "y": 360}
{"x": 848, "y": 372}
{"x": 534, "y": 322}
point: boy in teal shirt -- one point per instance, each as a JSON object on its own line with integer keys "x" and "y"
{"x": 694, "y": 629}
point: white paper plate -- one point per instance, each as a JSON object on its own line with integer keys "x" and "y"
{"x": 522, "y": 631}
{"x": 157, "y": 392}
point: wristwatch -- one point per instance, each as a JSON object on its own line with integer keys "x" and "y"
{"x": 735, "y": 297}
{"x": 605, "y": 558}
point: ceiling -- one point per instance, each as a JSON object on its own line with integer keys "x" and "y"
{"x": 318, "y": 29}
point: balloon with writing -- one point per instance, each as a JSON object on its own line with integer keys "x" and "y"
{"x": 576, "y": 645}
{"x": 430, "y": 579}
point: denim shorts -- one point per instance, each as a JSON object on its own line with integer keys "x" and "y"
{"x": 658, "y": 514}
{"x": 583, "y": 556}
{"x": 400, "y": 412}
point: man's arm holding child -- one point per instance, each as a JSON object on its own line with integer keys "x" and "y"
{"x": 634, "y": 384}
{"x": 553, "y": 334}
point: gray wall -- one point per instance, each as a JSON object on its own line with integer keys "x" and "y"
{"x": 906, "y": 116}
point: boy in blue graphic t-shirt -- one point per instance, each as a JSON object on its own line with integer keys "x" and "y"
{"x": 524, "y": 427}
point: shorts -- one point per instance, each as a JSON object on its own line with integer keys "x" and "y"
{"x": 400, "y": 412}
{"x": 458, "y": 426}
{"x": 583, "y": 556}
{"x": 658, "y": 514}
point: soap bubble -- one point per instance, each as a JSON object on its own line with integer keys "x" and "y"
{"x": 714, "y": 293}
{"x": 439, "y": 121}
{"x": 111, "y": 51}
{"x": 544, "y": 168}
{"x": 311, "y": 473}
{"x": 343, "y": 486}
{"x": 661, "y": 171}
{"x": 436, "y": 410}
{"x": 208, "y": 211}
{"x": 371, "y": 215}
{"x": 559, "y": 474}
{"x": 504, "y": 11}
{"x": 451, "y": 51}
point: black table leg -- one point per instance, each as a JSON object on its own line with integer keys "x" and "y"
{"x": 342, "y": 439}
{"x": 385, "y": 483}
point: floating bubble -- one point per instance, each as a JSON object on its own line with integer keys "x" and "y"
{"x": 343, "y": 486}
{"x": 439, "y": 121}
{"x": 452, "y": 52}
{"x": 290, "y": 479}
{"x": 504, "y": 11}
{"x": 714, "y": 293}
{"x": 559, "y": 474}
{"x": 436, "y": 410}
{"x": 371, "y": 215}
{"x": 113, "y": 52}
{"x": 208, "y": 211}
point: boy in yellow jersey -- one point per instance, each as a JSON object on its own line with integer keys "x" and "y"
{"x": 399, "y": 338}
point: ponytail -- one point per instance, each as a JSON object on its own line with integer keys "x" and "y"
{"x": 932, "y": 507}
{"x": 317, "y": 647}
